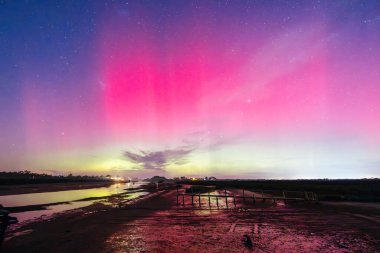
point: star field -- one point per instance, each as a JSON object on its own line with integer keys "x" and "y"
{"x": 240, "y": 89}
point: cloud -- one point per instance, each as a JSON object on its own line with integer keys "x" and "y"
{"x": 53, "y": 172}
{"x": 208, "y": 140}
{"x": 201, "y": 141}
{"x": 158, "y": 160}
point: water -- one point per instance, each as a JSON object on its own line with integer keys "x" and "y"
{"x": 71, "y": 198}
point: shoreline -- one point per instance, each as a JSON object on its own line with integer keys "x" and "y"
{"x": 92, "y": 223}
{"x": 37, "y": 207}
{"x": 50, "y": 187}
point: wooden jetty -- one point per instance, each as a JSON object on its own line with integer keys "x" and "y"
{"x": 253, "y": 198}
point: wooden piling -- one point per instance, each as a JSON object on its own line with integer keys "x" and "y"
{"x": 308, "y": 196}
{"x": 192, "y": 196}
{"x": 209, "y": 200}
{"x": 225, "y": 194}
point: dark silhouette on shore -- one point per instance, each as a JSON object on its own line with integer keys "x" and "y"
{"x": 5, "y": 221}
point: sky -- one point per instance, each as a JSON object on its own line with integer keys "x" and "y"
{"x": 231, "y": 89}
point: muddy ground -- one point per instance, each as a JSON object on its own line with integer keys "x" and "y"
{"x": 157, "y": 224}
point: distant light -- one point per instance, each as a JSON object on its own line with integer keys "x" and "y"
{"x": 117, "y": 179}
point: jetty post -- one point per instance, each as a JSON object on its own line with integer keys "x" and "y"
{"x": 225, "y": 194}
{"x": 192, "y": 196}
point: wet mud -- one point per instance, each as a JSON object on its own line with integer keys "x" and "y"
{"x": 157, "y": 224}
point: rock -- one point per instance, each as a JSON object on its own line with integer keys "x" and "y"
{"x": 247, "y": 241}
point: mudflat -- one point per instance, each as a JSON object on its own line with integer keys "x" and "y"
{"x": 156, "y": 224}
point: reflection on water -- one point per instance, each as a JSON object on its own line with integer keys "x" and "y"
{"x": 65, "y": 196}
{"x": 62, "y": 196}
{"x": 23, "y": 216}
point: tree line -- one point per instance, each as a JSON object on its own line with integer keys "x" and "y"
{"x": 28, "y": 177}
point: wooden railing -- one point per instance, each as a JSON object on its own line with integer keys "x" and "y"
{"x": 253, "y": 198}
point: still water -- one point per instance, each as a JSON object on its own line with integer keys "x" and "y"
{"x": 69, "y": 197}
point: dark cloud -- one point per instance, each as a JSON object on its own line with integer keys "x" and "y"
{"x": 158, "y": 160}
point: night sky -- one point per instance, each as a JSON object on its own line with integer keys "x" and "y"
{"x": 237, "y": 89}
